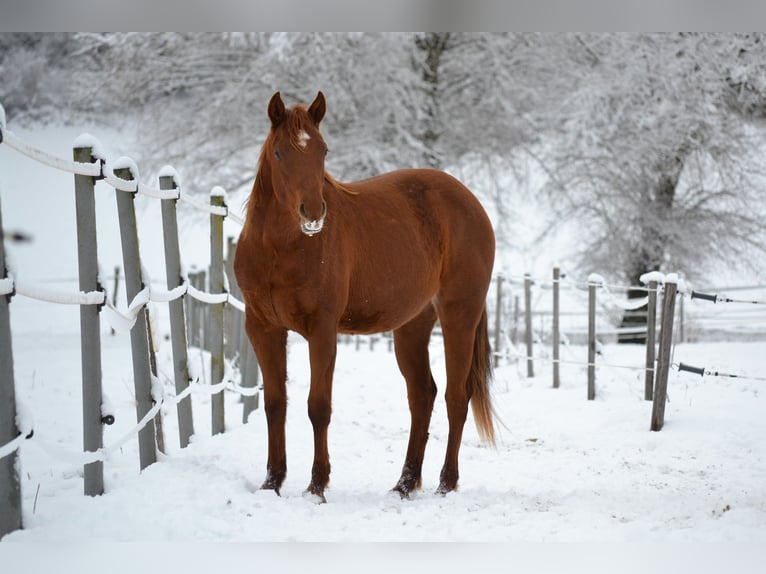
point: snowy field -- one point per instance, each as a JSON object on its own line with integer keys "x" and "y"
{"x": 565, "y": 469}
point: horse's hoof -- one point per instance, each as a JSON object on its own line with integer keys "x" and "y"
{"x": 445, "y": 488}
{"x": 271, "y": 485}
{"x": 315, "y": 494}
{"x": 404, "y": 493}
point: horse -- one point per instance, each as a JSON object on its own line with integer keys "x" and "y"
{"x": 396, "y": 252}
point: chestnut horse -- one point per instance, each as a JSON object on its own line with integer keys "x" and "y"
{"x": 396, "y": 252}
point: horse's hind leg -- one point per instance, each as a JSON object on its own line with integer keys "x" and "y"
{"x": 459, "y": 324}
{"x": 411, "y": 347}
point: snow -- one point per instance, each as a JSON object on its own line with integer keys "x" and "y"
{"x": 170, "y": 171}
{"x": 86, "y": 140}
{"x": 218, "y": 191}
{"x": 565, "y": 469}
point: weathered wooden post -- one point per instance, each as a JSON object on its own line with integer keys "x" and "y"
{"x": 556, "y": 334}
{"x": 663, "y": 357}
{"x": 233, "y": 318}
{"x": 90, "y": 323}
{"x": 593, "y": 282}
{"x": 10, "y": 486}
{"x": 515, "y": 325}
{"x": 498, "y": 317}
{"x": 217, "y": 199}
{"x": 139, "y": 343}
{"x": 528, "y": 323}
{"x": 177, "y": 322}
{"x": 651, "y": 329}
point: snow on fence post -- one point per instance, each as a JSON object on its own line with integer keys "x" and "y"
{"x": 556, "y": 333}
{"x": 139, "y": 342}
{"x": 528, "y": 323}
{"x": 498, "y": 313}
{"x": 90, "y": 323}
{"x": 651, "y": 329}
{"x": 663, "y": 357}
{"x": 217, "y": 199}
{"x": 10, "y": 486}
{"x": 594, "y": 281}
{"x": 176, "y": 307}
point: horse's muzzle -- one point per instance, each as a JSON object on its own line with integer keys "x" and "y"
{"x": 312, "y": 227}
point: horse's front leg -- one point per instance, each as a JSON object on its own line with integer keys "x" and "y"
{"x": 322, "y": 351}
{"x": 270, "y": 346}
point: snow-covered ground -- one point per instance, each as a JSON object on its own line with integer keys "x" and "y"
{"x": 565, "y": 469}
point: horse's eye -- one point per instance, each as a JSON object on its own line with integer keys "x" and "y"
{"x": 278, "y": 155}
{"x": 326, "y": 151}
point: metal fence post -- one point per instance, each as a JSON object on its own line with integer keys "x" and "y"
{"x": 556, "y": 334}
{"x": 176, "y": 307}
{"x": 528, "y": 323}
{"x": 651, "y": 328}
{"x": 10, "y": 486}
{"x": 139, "y": 342}
{"x": 90, "y": 324}
{"x": 217, "y": 199}
{"x": 591, "y": 340}
{"x": 663, "y": 358}
{"x": 498, "y": 318}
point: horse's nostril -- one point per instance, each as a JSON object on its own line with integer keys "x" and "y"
{"x": 302, "y": 211}
{"x": 324, "y": 208}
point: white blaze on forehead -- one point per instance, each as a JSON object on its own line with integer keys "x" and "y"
{"x": 303, "y": 138}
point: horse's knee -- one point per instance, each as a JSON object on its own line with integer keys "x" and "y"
{"x": 320, "y": 412}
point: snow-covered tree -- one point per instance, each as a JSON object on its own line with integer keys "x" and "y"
{"x": 657, "y": 170}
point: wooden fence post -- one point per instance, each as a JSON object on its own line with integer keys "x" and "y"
{"x": 515, "y": 324}
{"x": 233, "y": 318}
{"x": 498, "y": 317}
{"x": 10, "y": 486}
{"x": 528, "y": 323}
{"x": 651, "y": 329}
{"x": 217, "y": 199}
{"x": 556, "y": 329}
{"x": 177, "y": 323}
{"x": 663, "y": 358}
{"x": 592, "y": 285}
{"x": 90, "y": 324}
{"x": 139, "y": 343}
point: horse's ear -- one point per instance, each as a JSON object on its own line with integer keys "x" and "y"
{"x": 276, "y": 109}
{"x": 318, "y": 109}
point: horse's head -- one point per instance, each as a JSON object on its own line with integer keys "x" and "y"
{"x": 296, "y": 152}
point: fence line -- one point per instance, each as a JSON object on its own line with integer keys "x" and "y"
{"x": 88, "y": 166}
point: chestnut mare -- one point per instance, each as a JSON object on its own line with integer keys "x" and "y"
{"x": 396, "y": 252}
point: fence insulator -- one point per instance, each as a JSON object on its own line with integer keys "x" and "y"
{"x": 704, "y": 296}
{"x": 688, "y": 368}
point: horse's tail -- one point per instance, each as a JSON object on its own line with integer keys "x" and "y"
{"x": 479, "y": 380}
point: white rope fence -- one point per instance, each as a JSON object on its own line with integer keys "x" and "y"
{"x": 10, "y": 286}
{"x": 102, "y": 169}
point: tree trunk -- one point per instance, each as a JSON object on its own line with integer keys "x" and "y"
{"x": 433, "y": 45}
{"x": 651, "y": 251}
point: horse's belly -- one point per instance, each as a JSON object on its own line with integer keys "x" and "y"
{"x": 380, "y": 315}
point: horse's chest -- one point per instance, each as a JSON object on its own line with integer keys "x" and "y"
{"x": 287, "y": 294}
